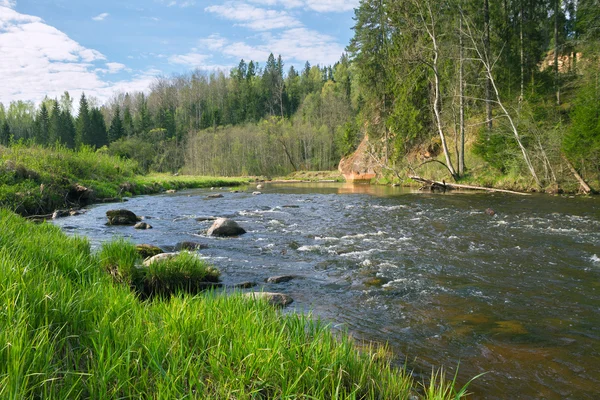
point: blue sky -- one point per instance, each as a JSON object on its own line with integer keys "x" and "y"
{"x": 104, "y": 47}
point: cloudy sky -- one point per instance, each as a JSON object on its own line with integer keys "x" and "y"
{"x": 104, "y": 47}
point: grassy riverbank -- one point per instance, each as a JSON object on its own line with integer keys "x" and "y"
{"x": 36, "y": 180}
{"x": 70, "y": 331}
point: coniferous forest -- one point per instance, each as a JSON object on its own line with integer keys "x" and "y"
{"x": 503, "y": 93}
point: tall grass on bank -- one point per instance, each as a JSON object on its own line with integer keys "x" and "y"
{"x": 38, "y": 180}
{"x": 183, "y": 273}
{"x": 68, "y": 331}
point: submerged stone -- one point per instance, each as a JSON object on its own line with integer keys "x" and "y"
{"x": 281, "y": 278}
{"x": 190, "y": 246}
{"x": 245, "y": 285}
{"x": 148, "y": 250}
{"x": 143, "y": 225}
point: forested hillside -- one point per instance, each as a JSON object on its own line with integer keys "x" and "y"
{"x": 500, "y": 93}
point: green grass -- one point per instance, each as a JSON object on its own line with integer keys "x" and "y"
{"x": 67, "y": 330}
{"x": 184, "y": 273}
{"x": 35, "y": 180}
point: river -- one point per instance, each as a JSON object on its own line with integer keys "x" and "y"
{"x": 515, "y": 295}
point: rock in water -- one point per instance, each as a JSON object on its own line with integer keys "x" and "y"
{"x": 275, "y": 299}
{"x": 215, "y": 196}
{"x": 148, "y": 250}
{"x": 245, "y": 285}
{"x": 142, "y": 225}
{"x": 121, "y": 217}
{"x": 159, "y": 258}
{"x": 281, "y": 279}
{"x": 256, "y": 193}
{"x": 191, "y": 246}
{"x": 225, "y": 227}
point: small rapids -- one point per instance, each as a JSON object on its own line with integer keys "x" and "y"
{"x": 516, "y": 295}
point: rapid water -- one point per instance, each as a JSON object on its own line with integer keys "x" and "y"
{"x": 516, "y": 295}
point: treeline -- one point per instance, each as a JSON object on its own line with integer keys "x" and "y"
{"x": 519, "y": 78}
{"x": 495, "y": 91}
{"x": 290, "y": 120}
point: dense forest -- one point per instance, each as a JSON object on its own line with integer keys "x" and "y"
{"x": 486, "y": 89}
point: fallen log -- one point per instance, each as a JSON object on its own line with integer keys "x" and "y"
{"x": 450, "y": 186}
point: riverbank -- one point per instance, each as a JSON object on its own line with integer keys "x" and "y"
{"x": 36, "y": 180}
{"x": 72, "y": 332}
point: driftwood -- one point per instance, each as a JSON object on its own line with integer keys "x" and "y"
{"x": 584, "y": 186}
{"x": 450, "y": 186}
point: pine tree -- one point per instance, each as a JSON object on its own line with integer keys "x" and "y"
{"x": 116, "y": 131}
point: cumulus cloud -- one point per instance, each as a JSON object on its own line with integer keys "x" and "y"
{"x": 192, "y": 59}
{"x": 38, "y": 60}
{"x": 101, "y": 17}
{"x": 255, "y": 18}
{"x": 296, "y": 44}
{"x": 314, "y": 5}
{"x": 8, "y": 3}
{"x": 182, "y": 4}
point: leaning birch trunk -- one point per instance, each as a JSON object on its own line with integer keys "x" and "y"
{"x": 437, "y": 100}
{"x": 461, "y": 148}
{"x": 487, "y": 66}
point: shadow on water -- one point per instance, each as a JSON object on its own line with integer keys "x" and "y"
{"x": 435, "y": 277}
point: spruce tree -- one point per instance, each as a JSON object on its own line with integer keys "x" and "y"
{"x": 42, "y": 126}
{"x": 99, "y": 136}
{"x": 83, "y": 127}
{"x": 116, "y": 131}
{"x": 55, "y": 124}
{"x": 5, "y": 134}
{"x": 68, "y": 132}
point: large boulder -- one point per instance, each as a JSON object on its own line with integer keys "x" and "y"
{"x": 121, "y": 217}
{"x": 225, "y": 227}
{"x": 275, "y": 299}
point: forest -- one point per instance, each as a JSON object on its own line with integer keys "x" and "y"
{"x": 503, "y": 93}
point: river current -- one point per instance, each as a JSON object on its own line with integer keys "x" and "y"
{"x": 515, "y": 295}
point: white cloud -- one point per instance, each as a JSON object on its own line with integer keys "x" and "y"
{"x": 213, "y": 42}
{"x": 182, "y": 4}
{"x": 196, "y": 60}
{"x": 314, "y": 5}
{"x": 192, "y": 59}
{"x": 8, "y": 3}
{"x": 114, "y": 67}
{"x": 255, "y": 18}
{"x": 297, "y": 44}
{"x": 101, "y": 17}
{"x": 38, "y": 60}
